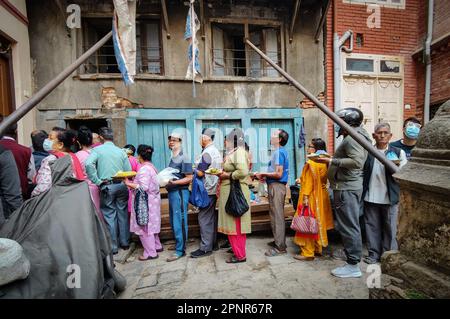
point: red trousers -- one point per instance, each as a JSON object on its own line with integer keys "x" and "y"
{"x": 238, "y": 241}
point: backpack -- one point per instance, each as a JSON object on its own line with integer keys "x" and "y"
{"x": 199, "y": 195}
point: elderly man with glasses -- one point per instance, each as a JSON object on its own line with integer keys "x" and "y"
{"x": 178, "y": 194}
{"x": 381, "y": 196}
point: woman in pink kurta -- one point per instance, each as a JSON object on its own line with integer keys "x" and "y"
{"x": 147, "y": 181}
{"x": 85, "y": 141}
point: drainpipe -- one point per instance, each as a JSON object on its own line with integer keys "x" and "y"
{"x": 427, "y": 57}
{"x": 338, "y": 45}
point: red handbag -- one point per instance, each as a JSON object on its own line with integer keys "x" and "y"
{"x": 305, "y": 222}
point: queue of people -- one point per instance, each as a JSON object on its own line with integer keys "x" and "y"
{"x": 359, "y": 182}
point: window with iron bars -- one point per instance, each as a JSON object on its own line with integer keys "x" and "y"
{"x": 149, "y": 52}
{"x": 230, "y": 57}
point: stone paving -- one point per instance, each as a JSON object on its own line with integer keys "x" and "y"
{"x": 260, "y": 277}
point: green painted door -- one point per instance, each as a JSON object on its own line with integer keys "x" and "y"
{"x": 260, "y": 144}
{"x": 155, "y": 134}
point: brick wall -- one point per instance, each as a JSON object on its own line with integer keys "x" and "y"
{"x": 441, "y": 19}
{"x": 398, "y": 35}
{"x": 440, "y": 55}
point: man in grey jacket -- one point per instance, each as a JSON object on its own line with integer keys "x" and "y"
{"x": 10, "y": 191}
{"x": 345, "y": 173}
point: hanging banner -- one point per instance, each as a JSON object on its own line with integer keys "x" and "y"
{"x": 192, "y": 26}
{"x": 124, "y": 38}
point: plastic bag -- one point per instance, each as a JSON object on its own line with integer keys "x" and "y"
{"x": 166, "y": 175}
{"x": 236, "y": 203}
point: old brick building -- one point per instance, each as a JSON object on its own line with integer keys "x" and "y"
{"x": 384, "y": 72}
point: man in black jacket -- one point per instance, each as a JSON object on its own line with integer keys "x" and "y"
{"x": 10, "y": 191}
{"x": 381, "y": 196}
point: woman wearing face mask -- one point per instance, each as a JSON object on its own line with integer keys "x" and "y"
{"x": 62, "y": 142}
{"x": 411, "y": 130}
{"x": 52, "y": 136}
{"x": 147, "y": 181}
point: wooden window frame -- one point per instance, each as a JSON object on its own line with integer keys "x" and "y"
{"x": 246, "y": 23}
{"x": 81, "y": 44}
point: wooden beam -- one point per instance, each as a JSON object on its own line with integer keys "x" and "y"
{"x": 322, "y": 20}
{"x": 294, "y": 18}
{"x": 165, "y": 17}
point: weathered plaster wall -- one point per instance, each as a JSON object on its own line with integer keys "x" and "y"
{"x": 17, "y": 32}
{"x": 52, "y": 51}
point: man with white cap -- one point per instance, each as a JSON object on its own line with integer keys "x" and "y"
{"x": 178, "y": 194}
{"x": 207, "y": 216}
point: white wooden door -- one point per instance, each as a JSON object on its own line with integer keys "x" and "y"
{"x": 361, "y": 93}
{"x": 389, "y": 101}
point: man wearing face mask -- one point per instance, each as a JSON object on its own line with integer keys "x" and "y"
{"x": 411, "y": 130}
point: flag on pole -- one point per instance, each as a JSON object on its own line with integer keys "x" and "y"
{"x": 124, "y": 38}
{"x": 192, "y": 26}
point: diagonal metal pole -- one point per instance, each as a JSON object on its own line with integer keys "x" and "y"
{"x": 336, "y": 119}
{"x": 50, "y": 86}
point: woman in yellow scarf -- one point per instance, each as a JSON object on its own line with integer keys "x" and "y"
{"x": 314, "y": 193}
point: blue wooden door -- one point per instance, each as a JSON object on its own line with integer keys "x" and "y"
{"x": 260, "y": 144}
{"x": 155, "y": 134}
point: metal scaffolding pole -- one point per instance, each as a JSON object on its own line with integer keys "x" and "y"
{"x": 336, "y": 119}
{"x": 50, "y": 86}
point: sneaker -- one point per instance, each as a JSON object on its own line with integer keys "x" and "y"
{"x": 200, "y": 253}
{"x": 339, "y": 255}
{"x": 347, "y": 271}
{"x": 125, "y": 247}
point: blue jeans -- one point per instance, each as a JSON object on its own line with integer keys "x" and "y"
{"x": 114, "y": 206}
{"x": 178, "y": 207}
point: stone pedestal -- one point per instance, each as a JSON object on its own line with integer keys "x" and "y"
{"x": 423, "y": 262}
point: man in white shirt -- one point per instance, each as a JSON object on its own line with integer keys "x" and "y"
{"x": 381, "y": 196}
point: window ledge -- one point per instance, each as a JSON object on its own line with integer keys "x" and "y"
{"x": 116, "y": 76}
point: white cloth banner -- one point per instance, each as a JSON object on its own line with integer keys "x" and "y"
{"x": 192, "y": 27}
{"x": 124, "y": 38}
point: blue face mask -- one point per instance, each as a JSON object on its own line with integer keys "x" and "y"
{"x": 412, "y": 132}
{"x": 47, "y": 145}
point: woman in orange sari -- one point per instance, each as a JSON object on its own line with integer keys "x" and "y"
{"x": 314, "y": 193}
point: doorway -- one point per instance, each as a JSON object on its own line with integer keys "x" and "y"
{"x": 93, "y": 124}
{"x": 6, "y": 80}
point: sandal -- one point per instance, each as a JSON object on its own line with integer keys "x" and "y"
{"x": 142, "y": 258}
{"x": 234, "y": 260}
{"x": 273, "y": 252}
{"x": 230, "y": 251}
